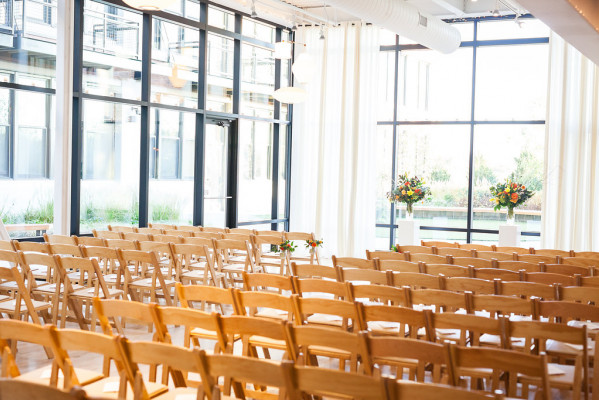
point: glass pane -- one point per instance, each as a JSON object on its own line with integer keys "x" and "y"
{"x": 487, "y": 239}
{"x": 382, "y": 238}
{"x": 220, "y": 73}
{"x": 386, "y": 92}
{"x": 174, "y": 64}
{"x": 435, "y": 86}
{"x": 215, "y": 175}
{"x": 185, "y": 8}
{"x": 384, "y": 180}
{"x": 258, "y": 30}
{"x": 285, "y": 82}
{"x": 444, "y": 236}
{"x": 282, "y": 170}
{"x": 28, "y": 42}
{"x": 466, "y": 30}
{"x": 528, "y": 28}
{"x": 255, "y": 171}
{"x": 221, "y": 19}
{"x": 27, "y": 201}
{"x": 519, "y": 155}
{"x": 171, "y": 191}
{"x": 110, "y": 183}
{"x": 439, "y": 154}
{"x": 31, "y": 134}
{"x": 257, "y": 81}
{"x": 112, "y": 51}
{"x": 511, "y": 82}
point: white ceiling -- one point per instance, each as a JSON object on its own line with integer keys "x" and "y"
{"x": 311, "y": 12}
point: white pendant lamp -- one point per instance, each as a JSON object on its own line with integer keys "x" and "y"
{"x": 149, "y": 5}
{"x": 303, "y": 68}
{"x": 283, "y": 50}
{"x": 290, "y": 95}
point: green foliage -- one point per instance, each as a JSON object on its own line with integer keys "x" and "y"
{"x": 440, "y": 175}
{"x": 483, "y": 174}
{"x": 43, "y": 214}
{"x": 165, "y": 212}
{"x": 529, "y": 170}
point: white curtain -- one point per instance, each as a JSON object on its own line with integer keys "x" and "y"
{"x": 332, "y": 173}
{"x": 570, "y": 219}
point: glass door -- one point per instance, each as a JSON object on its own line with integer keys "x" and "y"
{"x": 216, "y": 168}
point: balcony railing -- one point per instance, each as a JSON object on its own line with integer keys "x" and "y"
{"x": 29, "y": 18}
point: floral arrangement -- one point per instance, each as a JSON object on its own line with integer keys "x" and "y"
{"x": 312, "y": 244}
{"x": 287, "y": 245}
{"x": 510, "y": 195}
{"x": 395, "y": 248}
{"x": 409, "y": 190}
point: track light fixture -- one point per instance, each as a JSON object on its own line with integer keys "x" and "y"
{"x": 495, "y": 12}
{"x": 322, "y": 32}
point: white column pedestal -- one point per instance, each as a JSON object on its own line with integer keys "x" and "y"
{"x": 509, "y": 235}
{"x": 408, "y": 233}
{"x": 3, "y": 232}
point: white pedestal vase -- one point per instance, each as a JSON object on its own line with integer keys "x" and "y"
{"x": 408, "y": 233}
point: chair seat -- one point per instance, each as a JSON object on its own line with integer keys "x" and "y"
{"x": 146, "y": 283}
{"x": 10, "y": 306}
{"x": 9, "y": 286}
{"x": 42, "y": 376}
{"x": 560, "y": 376}
{"x": 324, "y": 319}
{"x": 4, "y": 298}
{"x": 89, "y": 293}
{"x": 104, "y": 389}
{"x": 273, "y": 314}
{"x": 326, "y": 351}
{"x": 51, "y": 288}
{"x": 263, "y": 341}
{"x": 181, "y": 393}
{"x": 555, "y": 347}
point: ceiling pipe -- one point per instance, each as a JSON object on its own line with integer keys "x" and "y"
{"x": 405, "y": 20}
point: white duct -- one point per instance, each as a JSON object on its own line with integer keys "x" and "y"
{"x": 405, "y": 20}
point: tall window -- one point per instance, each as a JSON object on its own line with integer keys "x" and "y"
{"x": 463, "y": 121}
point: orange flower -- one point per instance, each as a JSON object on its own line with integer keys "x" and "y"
{"x": 313, "y": 244}
{"x": 514, "y": 197}
{"x": 523, "y": 187}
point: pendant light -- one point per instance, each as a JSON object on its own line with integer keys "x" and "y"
{"x": 290, "y": 95}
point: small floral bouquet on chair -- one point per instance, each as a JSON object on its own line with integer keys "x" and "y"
{"x": 287, "y": 247}
{"x": 509, "y": 195}
{"x": 313, "y": 244}
{"x": 409, "y": 190}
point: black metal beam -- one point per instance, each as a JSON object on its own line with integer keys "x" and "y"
{"x": 233, "y": 175}
{"x": 144, "y": 144}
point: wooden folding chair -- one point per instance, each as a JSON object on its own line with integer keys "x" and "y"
{"x": 314, "y": 257}
{"x": 517, "y": 266}
{"x": 90, "y": 284}
{"x": 122, "y": 244}
{"x": 168, "y": 238}
{"x": 264, "y": 305}
{"x": 496, "y": 273}
{"x": 552, "y": 253}
{"x": 378, "y": 294}
{"x": 474, "y": 285}
{"x": 398, "y": 265}
{"x": 175, "y": 360}
{"x": 164, "y": 255}
{"x": 108, "y": 260}
{"x": 234, "y": 266}
{"x": 540, "y": 337}
{"x": 527, "y": 290}
{"x": 385, "y": 255}
{"x": 351, "y": 262}
{"x": 567, "y": 269}
{"x": 238, "y": 373}
{"x": 415, "y": 249}
{"x": 195, "y": 264}
{"x": 334, "y": 384}
{"x": 313, "y": 271}
{"x": 242, "y": 231}
{"x": 514, "y": 308}
{"x": 424, "y": 360}
{"x": 446, "y": 270}
{"x": 59, "y": 239}
{"x": 113, "y": 312}
{"x": 20, "y": 303}
{"x": 321, "y": 288}
{"x": 579, "y": 294}
{"x": 89, "y": 241}
{"x": 417, "y": 280}
{"x": 533, "y": 258}
{"x": 268, "y": 283}
{"x": 468, "y": 329}
{"x": 512, "y": 249}
{"x": 121, "y": 228}
{"x": 162, "y": 226}
{"x": 437, "y": 300}
{"x": 17, "y": 390}
{"x": 473, "y": 262}
{"x": 155, "y": 286}
{"x": 455, "y": 252}
{"x": 474, "y": 246}
{"x": 437, "y": 244}
{"x": 177, "y": 233}
{"x": 393, "y": 321}
{"x": 586, "y": 254}
{"x": 494, "y": 255}
{"x": 362, "y": 276}
{"x": 6, "y": 245}
{"x": 268, "y": 260}
{"x": 150, "y": 231}
{"x": 463, "y": 360}
{"x": 205, "y": 235}
{"x": 214, "y": 230}
{"x": 14, "y": 331}
{"x": 190, "y": 294}
{"x": 140, "y": 237}
{"x": 548, "y": 278}
{"x": 327, "y": 312}
{"x": 587, "y": 262}
{"x": 428, "y": 258}
{"x": 106, "y": 234}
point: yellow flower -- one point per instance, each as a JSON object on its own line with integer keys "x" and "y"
{"x": 410, "y": 193}
{"x": 403, "y": 192}
{"x": 492, "y": 200}
{"x": 507, "y": 190}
